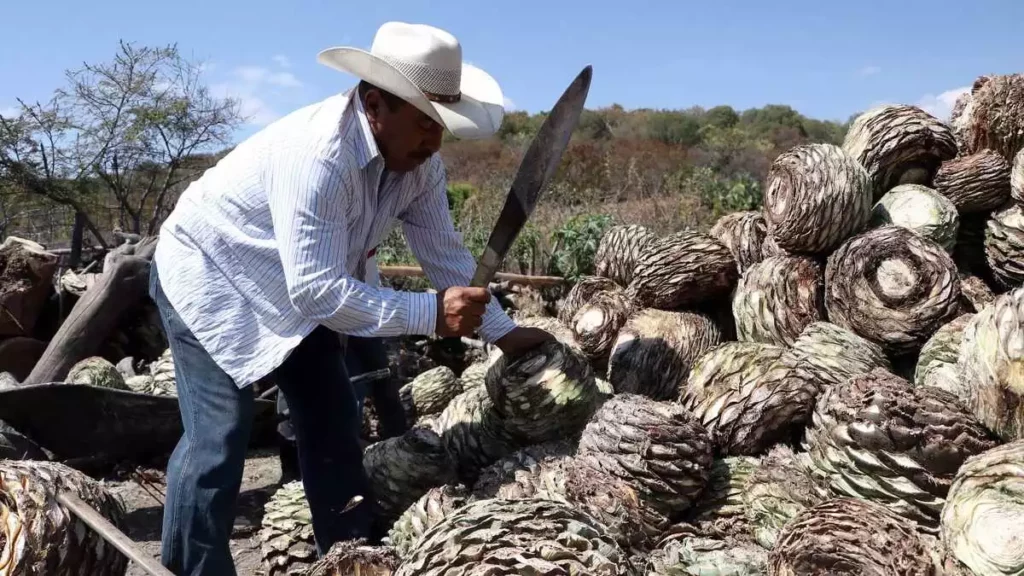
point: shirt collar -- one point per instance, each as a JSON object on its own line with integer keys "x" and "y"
{"x": 367, "y": 146}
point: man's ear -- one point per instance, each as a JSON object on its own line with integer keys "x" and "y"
{"x": 372, "y": 103}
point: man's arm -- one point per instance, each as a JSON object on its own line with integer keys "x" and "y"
{"x": 309, "y": 195}
{"x": 437, "y": 245}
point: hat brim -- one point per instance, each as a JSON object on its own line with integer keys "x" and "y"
{"x": 478, "y": 113}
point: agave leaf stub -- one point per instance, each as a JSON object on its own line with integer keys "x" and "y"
{"x": 746, "y": 398}
{"x": 618, "y": 250}
{"x": 817, "y": 196}
{"x": 683, "y": 269}
{"x": 475, "y": 374}
{"x": 975, "y": 183}
{"x": 991, "y": 365}
{"x": 777, "y": 298}
{"x": 658, "y": 447}
{"x": 555, "y": 327}
{"x": 581, "y": 292}
{"x": 286, "y": 534}
{"x": 691, "y": 555}
{"x": 597, "y": 323}
{"x": 919, "y": 209}
{"x": 833, "y": 354}
{"x": 879, "y": 438}
{"x": 96, "y": 371}
{"x": 516, "y": 537}
{"x": 474, "y": 433}
{"x": 632, "y": 521}
{"x": 348, "y": 557}
{"x": 40, "y": 536}
{"x": 743, "y": 233}
{"x": 1017, "y": 178}
{"x": 899, "y": 144}
{"x": 984, "y": 511}
{"x": 723, "y": 497}
{"x": 403, "y": 468}
{"x": 991, "y": 115}
{"x": 976, "y": 293}
{"x": 849, "y": 536}
{"x": 893, "y": 287}
{"x": 776, "y": 491}
{"x": 536, "y": 471}
{"x": 428, "y": 510}
{"x": 655, "y": 349}
{"x": 545, "y": 394}
{"x": 429, "y": 392}
{"x": 1004, "y": 245}
{"x": 937, "y": 364}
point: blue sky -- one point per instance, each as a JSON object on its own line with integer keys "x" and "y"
{"x": 826, "y": 59}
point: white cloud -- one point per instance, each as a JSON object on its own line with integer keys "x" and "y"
{"x": 256, "y": 88}
{"x": 282, "y": 61}
{"x": 942, "y": 105}
{"x": 869, "y": 71}
{"x": 509, "y": 104}
{"x": 10, "y": 111}
{"x": 259, "y": 74}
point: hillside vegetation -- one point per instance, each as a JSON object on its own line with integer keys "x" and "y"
{"x": 118, "y": 143}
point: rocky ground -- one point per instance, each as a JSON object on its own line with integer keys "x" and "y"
{"x": 144, "y": 513}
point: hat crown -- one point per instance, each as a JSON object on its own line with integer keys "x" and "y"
{"x": 429, "y": 56}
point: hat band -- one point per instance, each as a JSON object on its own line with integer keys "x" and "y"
{"x": 442, "y": 98}
{"x": 437, "y": 84}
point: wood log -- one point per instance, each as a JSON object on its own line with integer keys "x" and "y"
{"x": 124, "y": 282}
{"x": 26, "y": 278}
{"x": 521, "y": 279}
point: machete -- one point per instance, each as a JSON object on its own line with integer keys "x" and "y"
{"x": 535, "y": 171}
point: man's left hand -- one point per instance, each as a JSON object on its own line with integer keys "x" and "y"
{"x": 522, "y": 339}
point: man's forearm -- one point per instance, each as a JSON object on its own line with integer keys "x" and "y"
{"x": 351, "y": 307}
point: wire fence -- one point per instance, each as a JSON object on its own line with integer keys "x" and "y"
{"x": 52, "y": 224}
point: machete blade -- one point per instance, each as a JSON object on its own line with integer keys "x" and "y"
{"x": 535, "y": 171}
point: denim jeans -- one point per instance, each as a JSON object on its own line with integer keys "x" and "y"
{"x": 362, "y": 355}
{"x": 204, "y": 473}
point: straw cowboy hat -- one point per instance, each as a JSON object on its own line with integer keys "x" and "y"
{"x": 423, "y": 66}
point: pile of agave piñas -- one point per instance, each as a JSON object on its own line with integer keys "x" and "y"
{"x": 831, "y": 384}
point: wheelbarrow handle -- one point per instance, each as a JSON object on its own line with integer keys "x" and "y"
{"x": 111, "y": 534}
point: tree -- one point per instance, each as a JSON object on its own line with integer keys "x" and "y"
{"x": 137, "y": 128}
{"x": 722, "y": 117}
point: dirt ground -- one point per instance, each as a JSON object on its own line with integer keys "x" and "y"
{"x": 144, "y": 513}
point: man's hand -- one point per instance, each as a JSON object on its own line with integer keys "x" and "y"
{"x": 522, "y": 339}
{"x": 460, "y": 310}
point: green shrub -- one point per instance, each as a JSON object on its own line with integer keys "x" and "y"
{"x": 575, "y": 245}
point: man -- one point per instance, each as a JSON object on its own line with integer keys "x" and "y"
{"x": 258, "y": 270}
{"x": 363, "y": 356}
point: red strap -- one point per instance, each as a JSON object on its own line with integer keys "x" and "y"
{"x": 371, "y": 253}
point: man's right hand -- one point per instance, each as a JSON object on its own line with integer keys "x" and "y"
{"x": 460, "y": 310}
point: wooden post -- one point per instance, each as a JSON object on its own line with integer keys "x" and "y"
{"x": 521, "y": 279}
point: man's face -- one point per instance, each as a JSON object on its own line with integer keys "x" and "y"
{"x": 405, "y": 136}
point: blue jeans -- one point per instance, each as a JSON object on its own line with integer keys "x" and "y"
{"x": 204, "y": 473}
{"x": 362, "y": 355}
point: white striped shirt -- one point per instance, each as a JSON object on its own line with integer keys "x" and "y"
{"x": 263, "y": 247}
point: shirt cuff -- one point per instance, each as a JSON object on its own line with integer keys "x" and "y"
{"x": 496, "y": 323}
{"x": 422, "y": 313}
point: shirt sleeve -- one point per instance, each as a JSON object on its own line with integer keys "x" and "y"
{"x": 437, "y": 245}
{"x": 310, "y": 195}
